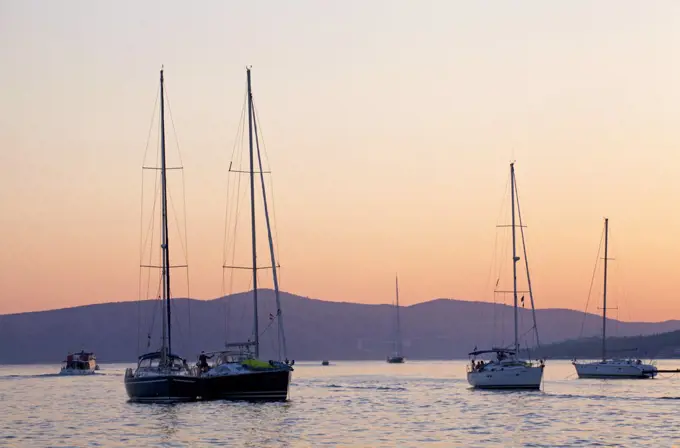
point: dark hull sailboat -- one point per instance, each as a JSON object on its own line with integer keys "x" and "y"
{"x": 159, "y": 381}
{"x": 162, "y": 377}
{"x": 162, "y": 388}
{"x": 395, "y": 359}
{"x": 255, "y": 386}
{"x": 238, "y": 373}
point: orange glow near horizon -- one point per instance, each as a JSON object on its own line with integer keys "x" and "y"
{"x": 388, "y": 128}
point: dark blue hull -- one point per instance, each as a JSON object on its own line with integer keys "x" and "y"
{"x": 395, "y": 360}
{"x": 252, "y": 386}
{"x": 530, "y": 387}
{"x": 162, "y": 389}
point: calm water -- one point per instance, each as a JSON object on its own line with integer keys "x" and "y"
{"x": 349, "y": 404}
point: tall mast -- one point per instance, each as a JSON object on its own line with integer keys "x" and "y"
{"x": 398, "y": 322}
{"x": 252, "y": 215}
{"x": 165, "y": 254}
{"x": 515, "y": 258}
{"x": 272, "y": 255}
{"x": 526, "y": 266}
{"x": 604, "y": 295}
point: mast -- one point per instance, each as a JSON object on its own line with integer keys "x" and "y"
{"x": 526, "y": 266}
{"x": 256, "y": 330}
{"x": 272, "y": 255}
{"x": 515, "y": 258}
{"x": 398, "y": 322}
{"x": 604, "y": 295}
{"x": 165, "y": 254}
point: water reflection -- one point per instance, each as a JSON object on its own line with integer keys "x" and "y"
{"x": 350, "y": 404}
{"x": 166, "y": 420}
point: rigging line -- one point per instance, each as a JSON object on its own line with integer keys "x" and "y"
{"x": 271, "y": 322}
{"x": 237, "y": 194}
{"x": 526, "y": 265}
{"x": 233, "y": 254}
{"x": 154, "y": 309}
{"x": 184, "y": 244}
{"x": 148, "y": 275}
{"x": 271, "y": 184}
{"x": 235, "y": 157}
{"x": 186, "y": 239}
{"x": 501, "y": 266}
{"x": 184, "y": 247}
{"x": 177, "y": 221}
{"x": 590, "y": 289}
{"x": 488, "y": 279}
{"x": 150, "y": 231}
{"x": 153, "y": 119}
{"x": 172, "y": 122}
{"x": 141, "y": 224}
{"x": 494, "y": 266}
{"x": 272, "y": 248}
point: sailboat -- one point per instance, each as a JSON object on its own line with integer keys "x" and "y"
{"x": 508, "y": 370}
{"x": 162, "y": 376}
{"x": 612, "y": 368}
{"x": 238, "y": 373}
{"x": 397, "y": 356}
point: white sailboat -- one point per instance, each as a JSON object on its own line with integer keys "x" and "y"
{"x": 508, "y": 370}
{"x": 397, "y": 356}
{"x": 612, "y": 368}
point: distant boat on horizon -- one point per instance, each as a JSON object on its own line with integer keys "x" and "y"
{"x": 83, "y": 363}
{"x": 397, "y": 356}
{"x": 627, "y": 368}
{"x": 507, "y": 370}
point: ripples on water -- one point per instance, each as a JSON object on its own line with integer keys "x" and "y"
{"x": 348, "y": 404}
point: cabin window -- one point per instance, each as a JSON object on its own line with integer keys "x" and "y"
{"x": 145, "y": 363}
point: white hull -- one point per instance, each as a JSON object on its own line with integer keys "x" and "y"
{"x": 615, "y": 370}
{"x": 515, "y": 377}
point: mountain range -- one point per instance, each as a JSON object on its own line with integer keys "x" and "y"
{"x": 314, "y": 329}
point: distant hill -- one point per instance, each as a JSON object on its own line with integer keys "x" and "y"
{"x": 664, "y": 345}
{"x": 315, "y": 329}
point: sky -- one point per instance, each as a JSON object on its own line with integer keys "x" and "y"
{"x": 389, "y": 127}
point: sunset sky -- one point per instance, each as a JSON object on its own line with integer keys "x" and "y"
{"x": 389, "y": 126}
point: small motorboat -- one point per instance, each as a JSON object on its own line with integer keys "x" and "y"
{"x": 83, "y": 363}
{"x": 325, "y": 362}
{"x": 395, "y": 359}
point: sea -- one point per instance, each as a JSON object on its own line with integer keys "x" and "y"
{"x": 346, "y": 404}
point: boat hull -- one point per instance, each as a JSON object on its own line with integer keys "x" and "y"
{"x": 252, "y": 386}
{"x": 519, "y": 378}
{"x": 162, "y": 388}
{"x": 395, "y": 360}
{"x": 76, "y": 372}
{"x": 599, "y": 370}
